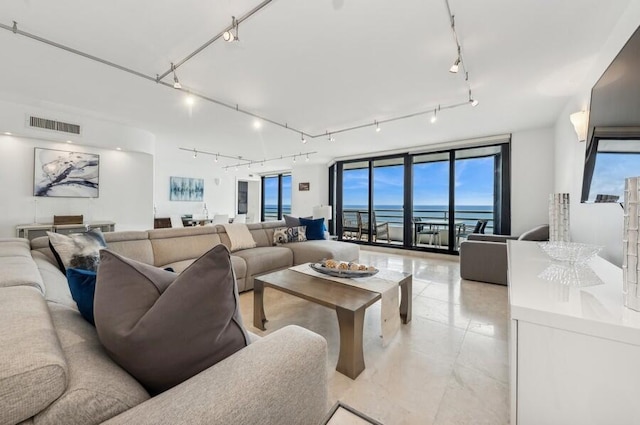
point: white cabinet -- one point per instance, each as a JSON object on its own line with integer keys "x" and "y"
{"x": 574, "y": 351}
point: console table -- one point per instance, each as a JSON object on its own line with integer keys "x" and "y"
{"x": 574, "y": 351}
{"x": 31, "y": 231}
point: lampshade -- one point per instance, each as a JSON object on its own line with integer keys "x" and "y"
{"x": 324, "y": 211}
{"x": 580, "y": 122}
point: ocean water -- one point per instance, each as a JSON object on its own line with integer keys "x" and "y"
{"x": 393, "y": 213}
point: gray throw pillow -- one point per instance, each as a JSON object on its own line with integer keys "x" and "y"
{"x": 539, "y": 233}
{"x": 292, "y": 221}
{"x": 164, "y": 328}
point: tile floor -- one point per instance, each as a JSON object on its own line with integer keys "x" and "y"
{"x": 448, "y": 366}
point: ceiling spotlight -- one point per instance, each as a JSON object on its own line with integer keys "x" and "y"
{"x": 294, "y": 158}
{"x": 307, "y": 158}
{"x": 195, "y": 153}
{"x": 331, "y": 138}
{"x": 216, "y": 160}
{"x": 378, "y": 127}
{"x": 302, "y": 139}
{"x": 226, "y": 169}
{"x": 262, "y": 164}
{"x": 8, "y": 133}
{"x": 69, "y": 141}
{"x": 229, "y": 35}
{"x": 456, "y": 66}
{"x": 257, "y": 124}
{"x": 189, "y": 100}
{"x": 118, "y": 149}
{"x": 249, "y": 166}
{"x": 236, "y": 168}
{"x": 434, "y": 117}
{"x": 176, "y": 83}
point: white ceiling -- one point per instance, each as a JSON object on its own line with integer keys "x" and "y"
{"x": 318, "y": 65}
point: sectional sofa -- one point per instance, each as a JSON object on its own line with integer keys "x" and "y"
{"x": 53, "y": 369}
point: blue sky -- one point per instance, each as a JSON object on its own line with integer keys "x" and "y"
{"x": 474, "y": 184}
{"x": 610, "y": 171}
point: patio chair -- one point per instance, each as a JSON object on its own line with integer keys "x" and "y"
{"x": 464, "y": 233}
{"x": 380, "y": 231}
{"x": 350, "y": 225}
{"x": 427, "y": 229}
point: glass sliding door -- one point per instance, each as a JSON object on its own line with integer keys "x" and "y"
{"x": 270, "y": 198}
{"x": 276, "y": 197}
{"x": 285, "y": 190}
{"x": 430, "y": 212}
{"x": 355, "y": 200}
{"x": 387, "y": 215}
{"x": 475, "y": 191}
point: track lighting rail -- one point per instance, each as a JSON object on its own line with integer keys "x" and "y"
{"x": 245, "y": 161}
{"x": 176, "y": 85}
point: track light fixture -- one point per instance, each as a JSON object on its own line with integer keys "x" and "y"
{"x": 456, "y": 66}
{"x": 195, "y": 153}
{"x": 434, "y": 117}
{"x": 216, "y": 160}
{"x": 307, "y": 158}
{"x": 331, "y": 138}
{"x": 176, "y": 82}
{"x": 229, "y": 35}
{"x": 377, "y": 127}
{"x": 302, "y": 139}
{"x": 472, "y": 101}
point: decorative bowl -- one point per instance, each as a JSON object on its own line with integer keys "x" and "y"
{"x": 571, "y": 252}
{"x": 342, "y": 272}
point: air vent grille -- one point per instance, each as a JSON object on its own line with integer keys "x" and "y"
{"x": 53, "y": 125}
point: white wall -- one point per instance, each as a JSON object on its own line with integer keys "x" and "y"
{"x": 599, "y": 224}
{"x": 532, "y": 178}
{"x": 170, "y": 161}
{"x": 126, "y": 187}
{"x": 317, "y": 175}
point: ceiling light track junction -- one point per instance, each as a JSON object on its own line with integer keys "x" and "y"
{"x": 232, "y": 35}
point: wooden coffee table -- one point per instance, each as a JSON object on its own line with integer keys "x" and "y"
{"x": 348, "y": 302}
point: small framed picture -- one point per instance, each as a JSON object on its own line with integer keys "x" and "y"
{"x": 303, "y": 187}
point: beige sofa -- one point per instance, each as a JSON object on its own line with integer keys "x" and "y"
{"x": 178, "y": 248}
{"x": 53, "y": 369}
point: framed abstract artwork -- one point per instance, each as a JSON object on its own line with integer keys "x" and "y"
{"x": 186, "y": 189}
{"x": 65, "y": 174}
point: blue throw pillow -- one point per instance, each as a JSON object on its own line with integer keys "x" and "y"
{"x": 315, "y": 228}
{"x": 82, "y": 284}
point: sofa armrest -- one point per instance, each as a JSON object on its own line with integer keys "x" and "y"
{"x": 279, "y": 379}
{"x": 484, "y": 261}
{"x": 490, "y": 238}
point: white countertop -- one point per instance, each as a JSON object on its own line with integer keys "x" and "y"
{"x": 592, "y": 310}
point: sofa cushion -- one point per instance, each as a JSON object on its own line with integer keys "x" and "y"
{"x": 314, "y": 251}
{"x": 239, "y": 237}
{"x": 131, "y": 244}
{"x": 189, "y": 243}
{"x": 33, "y": 370}
{"x": 315, "y": 228}
{"x": 289, "y": 234}
{"x": 539, "y": 233}
{"x": 56, "y": 287}
{"x": 20, "y": 271}
{"x": 264, "y": 259}
{"x": 98, "y": 389}
{"x": 78, "y": 250}
{"x": 82, "y": 284}
{"x": 165, "y": 328}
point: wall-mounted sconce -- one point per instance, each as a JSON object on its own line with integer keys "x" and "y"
{"x": 580, "y": 121}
